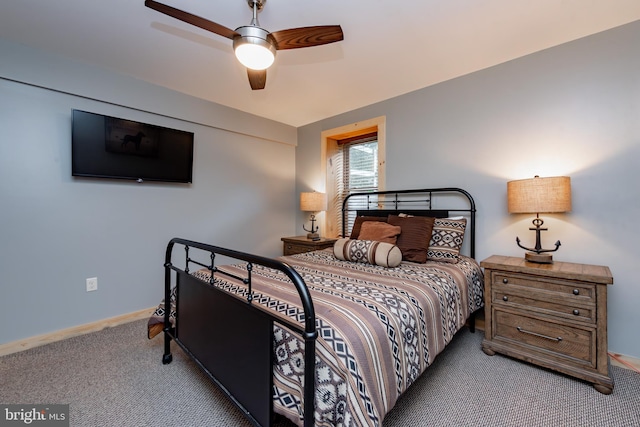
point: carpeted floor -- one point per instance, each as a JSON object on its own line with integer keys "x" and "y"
{"x": 115, "y": 377}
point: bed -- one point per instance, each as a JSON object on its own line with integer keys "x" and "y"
{"x": 331, "y": 337}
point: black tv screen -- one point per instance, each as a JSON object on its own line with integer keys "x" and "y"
{"x": 109, "y": 147}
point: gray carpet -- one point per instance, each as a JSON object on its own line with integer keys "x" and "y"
{"x": 115, "y": 378}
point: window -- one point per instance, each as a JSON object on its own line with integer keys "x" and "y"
{"x": 360, "y": 164}
{"x": 358, "y": 159}
{"x": 354, "y": 157}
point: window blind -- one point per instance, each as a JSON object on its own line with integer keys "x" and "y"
{"x": 356, "y": 164}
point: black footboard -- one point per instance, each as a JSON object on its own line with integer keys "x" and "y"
{"x": 232, "y": 339}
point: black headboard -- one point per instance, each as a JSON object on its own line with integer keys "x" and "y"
{"x": 434, "y": 202}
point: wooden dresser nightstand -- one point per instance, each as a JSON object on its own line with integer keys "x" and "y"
{"x": 300, "y": 244}
{"x": 552, "y": 315}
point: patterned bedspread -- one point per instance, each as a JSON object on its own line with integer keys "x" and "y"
{"x": 379, "y": 329}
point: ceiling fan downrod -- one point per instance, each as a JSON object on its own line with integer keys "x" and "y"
{"x": 255, "y": 6}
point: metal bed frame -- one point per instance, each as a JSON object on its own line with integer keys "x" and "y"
{"x": 239, "y": 356}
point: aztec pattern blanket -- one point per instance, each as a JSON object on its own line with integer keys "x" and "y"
{"x": 379, "y": 329}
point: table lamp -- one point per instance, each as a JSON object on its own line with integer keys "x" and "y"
{"x": 539, "y": 195}
{"x": 313, "y": 202}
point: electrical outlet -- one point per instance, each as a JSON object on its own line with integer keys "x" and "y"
{"x": 92, "y": 284}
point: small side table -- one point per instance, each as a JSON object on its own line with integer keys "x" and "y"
{"x": 300, "y": 244}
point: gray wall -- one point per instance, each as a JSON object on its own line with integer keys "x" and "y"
{"x": 570, "y": 110}
{"x": 56, "y": 231}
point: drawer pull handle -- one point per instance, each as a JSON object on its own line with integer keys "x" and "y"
{"x": 505, "y": 280}
{"x": 538, "y": 335}
{"x": 576, "y": 312}
{"x": 505, "y": 298}
{"x": 576, "y": 292}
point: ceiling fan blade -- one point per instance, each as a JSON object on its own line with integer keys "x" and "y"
{"x": 189, "y": 18}
{"x": 257, "y": 78}
{"x": 295, "y": 38}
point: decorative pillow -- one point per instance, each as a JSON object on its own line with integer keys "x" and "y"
{"x": 355, "y": 230}
{"x": 413, "y": 241}
{"x": 379, "y": 231}
{"x": 367, "y": 251}
{"x": 446, "y": 239}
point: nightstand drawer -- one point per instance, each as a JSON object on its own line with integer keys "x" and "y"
{"x": 300, "y": 244}
{"x": 532, "y": 299}
{"x": 292, "y": 249}
{"x": 576, "y": 345}
{"x": 563, "y": 290}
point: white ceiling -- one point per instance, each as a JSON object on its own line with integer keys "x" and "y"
{"x": 390, "y": 47}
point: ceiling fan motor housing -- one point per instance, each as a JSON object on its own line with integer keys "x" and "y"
{"x": 258, "y": 41}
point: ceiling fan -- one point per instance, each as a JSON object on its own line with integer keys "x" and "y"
{"x": 254, "y": 46}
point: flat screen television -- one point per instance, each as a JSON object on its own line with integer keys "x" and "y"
{"x": 109, "y": 147}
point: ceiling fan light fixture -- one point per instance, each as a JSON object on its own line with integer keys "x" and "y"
{"x": 253, "y": 48}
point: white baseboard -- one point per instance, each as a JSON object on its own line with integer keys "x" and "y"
{"x": 31, "y": 342}
{"x": 623, "y": 361}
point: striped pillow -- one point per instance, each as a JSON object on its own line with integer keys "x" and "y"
{"x": 367, "y": 251}
{"x": 413, "y": 241}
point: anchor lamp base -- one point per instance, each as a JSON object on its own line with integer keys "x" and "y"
{"x": 544, "y": 258}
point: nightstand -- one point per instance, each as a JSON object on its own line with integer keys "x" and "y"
{"x": 552, "y": 315}
{"x": 300, "y": 244}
